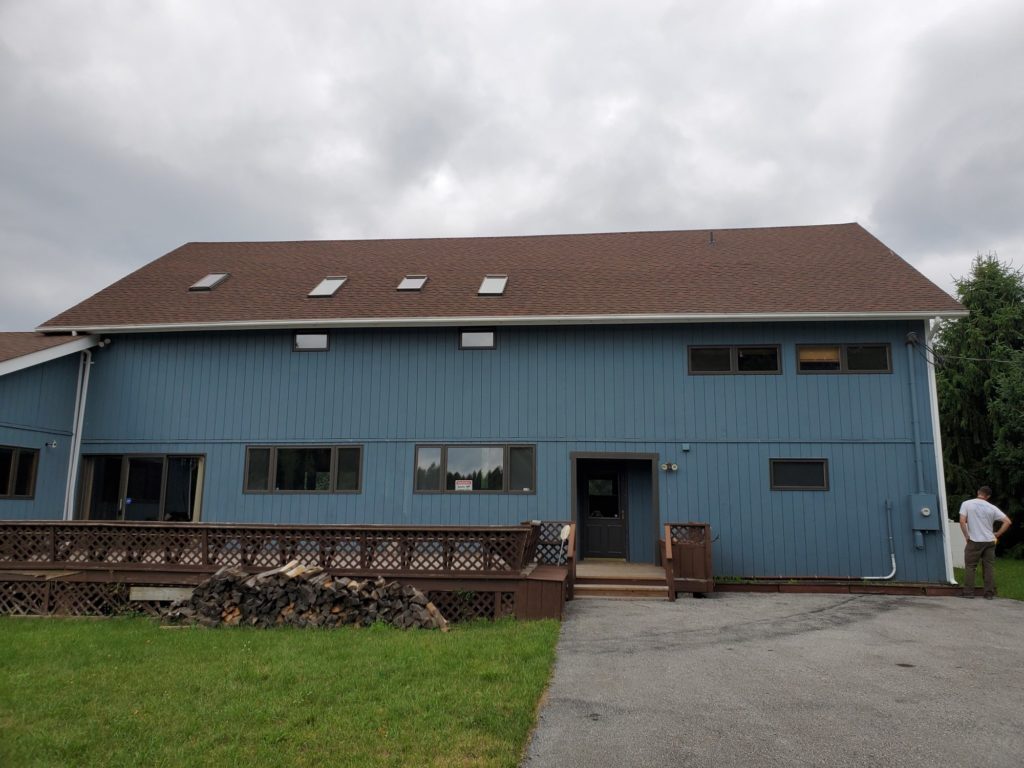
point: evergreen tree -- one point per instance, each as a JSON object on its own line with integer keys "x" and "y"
{"x": 980, "y": 376}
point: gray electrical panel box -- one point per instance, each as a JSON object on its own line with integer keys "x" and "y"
{"x": 924, "y": 512}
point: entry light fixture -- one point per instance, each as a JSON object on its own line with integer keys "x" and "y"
{"x": 669, "y": 467}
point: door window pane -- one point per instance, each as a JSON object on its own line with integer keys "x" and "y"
{"x": 818, "y": 358}
{"x": 303, "y": 469}
{"x": 348, "y": 469}
{"x": 603, "y": 492}
{"x": 483, "y": 465}
{"x": 142, "y": 495}
{"x": 520, "y": 468}
{"x": 757, "y": 359}
{"x": 105, "y": 491}
{"x": 6, "y": 465}
{"x": 182, "y": 484}
{"x": 258, "y": 477}
{"x": 25, "y": 473}
{"x": 710, "y": 359}
{"x": 428, "y": 468}
{"x": 867, "y": 357}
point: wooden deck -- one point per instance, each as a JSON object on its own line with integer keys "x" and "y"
{"x": 469, "y": 572}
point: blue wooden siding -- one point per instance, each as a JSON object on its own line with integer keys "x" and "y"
{"x": 594, "y": 388}
{"x": 37, "y": 407}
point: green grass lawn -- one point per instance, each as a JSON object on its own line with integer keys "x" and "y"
{"x": 126, "y": 692}
{"x": 1009, "y": 578}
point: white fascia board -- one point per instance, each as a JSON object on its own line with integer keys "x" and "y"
{"x": 46, "y": 355}
{"x": 417, "y": 322}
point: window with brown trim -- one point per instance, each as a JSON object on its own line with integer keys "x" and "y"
{"x": 475, "y": 468}
{"x": 303, "y": 469}
{"x": 18, "y": 472}
{"x": 843, "y": 358}
{"x": 798, "y": 474}
{"x": 735, "y": 359}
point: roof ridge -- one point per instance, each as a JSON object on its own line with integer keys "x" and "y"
{"x": 624, "y": 232}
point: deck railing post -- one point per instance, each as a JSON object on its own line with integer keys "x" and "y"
{"x": 206, "y": 546}
{"x": 53, "y": 544}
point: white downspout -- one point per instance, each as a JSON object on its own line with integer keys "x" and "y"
{"x": 940, "y": 471}
{"x": 81, "y": 393}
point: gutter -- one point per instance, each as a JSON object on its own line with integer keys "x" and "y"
{"x": 81, "y": 394}
{"x": 421, "y": 322}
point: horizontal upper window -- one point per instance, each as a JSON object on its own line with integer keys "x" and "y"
{"x": 843, "y": 358}
{"x": 327, "y": 287}
{"x": 475, "y": 468}
{"x": 476, "y": 340}
{"x": 799, "y": 474}
{"x": 734, "y": 359}
{"x": 209, "y": 282}
{"x": 412, "y": 282}
{"x": 311, "y": 342}
{"x": 18, "y": 472}
{"x": 303, "y": 469}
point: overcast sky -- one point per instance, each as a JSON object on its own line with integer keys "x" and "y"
{"x": 128, "y": 128}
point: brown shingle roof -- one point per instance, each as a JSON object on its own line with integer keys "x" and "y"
{"x": 19, "y": 344}
{"x": 830, "y": 269}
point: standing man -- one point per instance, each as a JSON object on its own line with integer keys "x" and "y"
{"x": 977, "y": 521}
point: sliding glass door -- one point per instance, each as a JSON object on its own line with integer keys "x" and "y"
{"x": 127, "y": 487}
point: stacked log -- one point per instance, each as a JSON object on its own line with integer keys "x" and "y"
{"x": 301, "y": 596}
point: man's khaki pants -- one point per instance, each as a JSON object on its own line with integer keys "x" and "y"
{"x": 986, "y": 552}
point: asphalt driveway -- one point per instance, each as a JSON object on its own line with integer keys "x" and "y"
{"x": 786, "y": 680}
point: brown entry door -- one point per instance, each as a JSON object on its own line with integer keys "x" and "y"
{"x": 604, "y": 507}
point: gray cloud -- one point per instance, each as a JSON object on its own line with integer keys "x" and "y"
{"x": 129, "y": 129}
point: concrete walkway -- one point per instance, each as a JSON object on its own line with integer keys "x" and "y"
{"x": 786, "y": 680}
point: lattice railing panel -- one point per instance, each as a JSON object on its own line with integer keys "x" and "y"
{"x": 19, "y": 598}
{"x": 465, "y": 606}
{"x": 508, "y": 605}
{"x": 25, "y": 544}
{"x": 687, "y": 533}
{"x": 550, "y": 549}
{"x": 190, "y": 547}
{"x": 86, "y": 598}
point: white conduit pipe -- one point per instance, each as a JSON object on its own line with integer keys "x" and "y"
{"x": 892, "y": 547}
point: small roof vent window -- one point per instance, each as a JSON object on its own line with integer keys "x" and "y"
{"x": 327, "y": 287}
{"x": 412, "y": 282}
{"x": 209, "y": 282}
{"x": 493, "y": 285}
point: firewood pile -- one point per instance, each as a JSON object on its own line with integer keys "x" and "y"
{"x": 302, "y": 596}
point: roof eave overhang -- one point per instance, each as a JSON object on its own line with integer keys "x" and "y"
{"x": 419, "y": 322}
{"x": 41, "y": 356}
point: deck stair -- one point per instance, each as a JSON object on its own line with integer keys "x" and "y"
{"x": 621, "y": 580}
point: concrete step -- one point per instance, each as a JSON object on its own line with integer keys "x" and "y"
{"x": 631, "y": 591}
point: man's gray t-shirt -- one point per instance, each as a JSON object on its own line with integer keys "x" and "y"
{"x": 981, "y": 517}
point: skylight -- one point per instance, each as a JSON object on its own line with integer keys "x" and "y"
{"x": 209, "y": 282}
{"x": 412, "y": 282}
{"x": 327, "y": 287}
{"x": 493, "y": 285}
